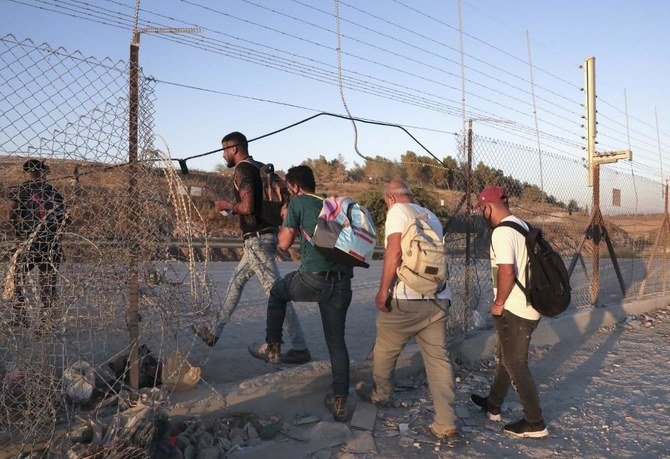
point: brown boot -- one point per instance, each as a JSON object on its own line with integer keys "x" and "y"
{"x": 269, "y": 352}
{"x": 337, "y": 404}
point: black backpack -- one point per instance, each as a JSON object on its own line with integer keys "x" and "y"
{"x": 275, "y": 192}
{"x": 40, "y": 206}
{"x": 548, "y": 289}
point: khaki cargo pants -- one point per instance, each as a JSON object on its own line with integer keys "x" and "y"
{"x": 425, "y": 320}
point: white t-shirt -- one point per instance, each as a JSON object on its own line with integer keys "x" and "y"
{"x": 397, "y": 219}
{"x": 508, "y": 247}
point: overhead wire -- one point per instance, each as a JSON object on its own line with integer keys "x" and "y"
{"x": 359, "y": 87}
{"x": 320, "y": 77}
{"x": 289, "y": 67}
{"x": 397, "y": 54}
{"x": 431, "y": 17}
{"x": 439, "y": 43}
{"x": 208, "y": 47}
{"x": 122, "y": 25}
{"x": 285, "y": 104}
{"x": 567, "y": 59}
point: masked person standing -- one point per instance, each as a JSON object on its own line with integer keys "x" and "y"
{"x": 513, "y": 317}
{"x": 37, "y": 214}
{"x": 260, "y": 245}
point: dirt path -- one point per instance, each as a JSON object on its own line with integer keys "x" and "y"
{"x": 603, "y": 395}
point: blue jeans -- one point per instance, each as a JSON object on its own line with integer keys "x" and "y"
{"x": 514, "y": 334}
{"x": 333, "y": 294}
{"x": 259, "y": 258}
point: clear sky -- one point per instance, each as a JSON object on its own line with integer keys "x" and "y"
{"x": 402, "y": 63}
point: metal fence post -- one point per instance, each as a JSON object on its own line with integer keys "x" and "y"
{"x": 133, "y": 281}
{"x": 468, "y": 208}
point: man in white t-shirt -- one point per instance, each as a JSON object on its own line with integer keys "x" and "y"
{"x": 405, "y": 314}
{"x": 513, "y": 317}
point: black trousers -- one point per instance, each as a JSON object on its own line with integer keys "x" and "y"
{"x": 514, "y": 335}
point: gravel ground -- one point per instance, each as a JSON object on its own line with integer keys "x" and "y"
{"x": 603, "y": 395}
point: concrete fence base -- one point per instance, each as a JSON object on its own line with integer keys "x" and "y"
{"x": 274, "y": 392}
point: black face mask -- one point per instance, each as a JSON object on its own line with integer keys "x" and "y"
{"x": 487, "y": 219}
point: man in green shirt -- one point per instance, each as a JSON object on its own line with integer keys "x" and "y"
{"x": 318, "y": 279}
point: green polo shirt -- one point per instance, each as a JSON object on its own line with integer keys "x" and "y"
{"x": 303, "y": 211}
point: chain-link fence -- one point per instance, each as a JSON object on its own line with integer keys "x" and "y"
{"x": 64, "y": 333}
{"x": 64, "y": 325}
{"x": 549, "y": 191}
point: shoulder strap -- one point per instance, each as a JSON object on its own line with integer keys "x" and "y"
{"x": 524, "y": 232}
{"x": 304, "y": 233}
{"x": 515, "y": 226}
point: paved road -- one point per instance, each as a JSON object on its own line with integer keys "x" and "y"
{"x": 229, "y": 360}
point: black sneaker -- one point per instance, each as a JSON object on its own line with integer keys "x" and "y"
{"x": 525, "y": 429}
{"x": 296, "y": 356}
{"x": 270, "y": 353}
{"x": 364, "y": 392}
{"x": 337, "y": 404}
{"x": 492, "y": 412}
{"x": 205, "y": 335}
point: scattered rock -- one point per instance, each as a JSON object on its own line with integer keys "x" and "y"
{"x": 364, "y": 417}
{"x": 209, "y": 453}
{"x": 387, "y": 434}
{"x": 362, "y": 442}
{"x": 462, "y": 412}
{"x": 326, "y": 430}
{"x": 190, "y": 452}
{"x": 405, "y": 442}
{"x": 303, "y": 417}
{"x": 268, "y": 432}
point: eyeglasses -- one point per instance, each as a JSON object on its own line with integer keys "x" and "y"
{"x": 229, "y": 146}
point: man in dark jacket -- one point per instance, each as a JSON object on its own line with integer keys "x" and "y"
{"x": 37, "y": 214}
{"x": 260, "y": 246}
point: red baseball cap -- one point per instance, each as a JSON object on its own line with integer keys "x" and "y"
{"x": 491, "y": 194}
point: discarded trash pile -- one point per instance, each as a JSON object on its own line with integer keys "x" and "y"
{"x": 95, "y": 415}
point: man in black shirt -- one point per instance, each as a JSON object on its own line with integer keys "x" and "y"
{"x": 37, "y": 214}
{"x": 260, "y": 245}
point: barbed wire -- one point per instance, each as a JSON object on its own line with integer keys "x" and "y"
{"x": 251, "y": 55}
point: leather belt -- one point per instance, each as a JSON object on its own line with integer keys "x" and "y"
{"x": 330, "y": 274}
{"x": 258, "y": 233}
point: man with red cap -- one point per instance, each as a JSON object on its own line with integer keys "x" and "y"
{"x": 513, "y": 317}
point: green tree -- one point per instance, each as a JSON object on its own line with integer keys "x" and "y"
{"x": 327, "y": 170}
{"x": 374, "y": 202}
{"x": 381, "y": 169}
{"x": 572, "y": 206}
{"x": 415, "y": 168}
{"x": 445, "y": 176}
{"x": 531, "y": 193}
{"x": 356, "y": 173}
